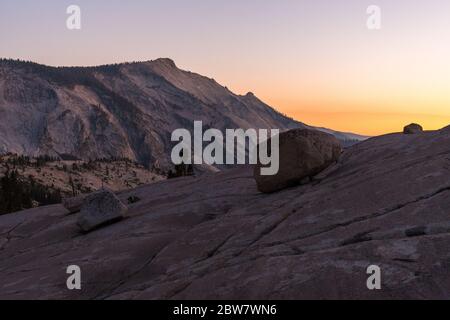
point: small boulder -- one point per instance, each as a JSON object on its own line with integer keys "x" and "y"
{"x": 413, "y": 128}
{"x": 73, "y": 205}
{"x": 99, "y": 209}
{"x": 303, "y": 154}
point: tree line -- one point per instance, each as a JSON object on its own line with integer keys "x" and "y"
{"x": 19, "y": 193}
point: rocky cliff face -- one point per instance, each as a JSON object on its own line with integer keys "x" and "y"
{"x": 384, "y": 203}
{"x": 126, "y": 110}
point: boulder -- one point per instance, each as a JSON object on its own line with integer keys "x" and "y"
{"x": 303, "y": 154}
{"x": 73, "y": 205}
{"x": 99, "y": 209}
{"x": 413, "y": 128}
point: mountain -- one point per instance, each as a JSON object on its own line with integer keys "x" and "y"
{"x": 125, "y": 110}
{"x": 385, "y": 203}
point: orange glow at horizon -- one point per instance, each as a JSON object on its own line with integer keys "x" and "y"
{"x": 365, "y": 118}
{"x": 368, "y": 120}
{"x": 361, "y": 108}
{"x": 370, "y": 124}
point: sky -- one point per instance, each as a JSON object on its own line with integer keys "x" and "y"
{"x": 314, "y": 60}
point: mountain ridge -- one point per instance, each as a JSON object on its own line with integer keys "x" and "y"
{"x": 126, "y": 109}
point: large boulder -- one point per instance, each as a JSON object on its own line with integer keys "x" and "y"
{"x": 99, "y": 209}
{"x": 303, "y": 154}
{"x": 413, "y": 128}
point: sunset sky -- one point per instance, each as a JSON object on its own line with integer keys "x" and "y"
{"x": 314, "y": 60}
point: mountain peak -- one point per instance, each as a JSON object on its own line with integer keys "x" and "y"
{"x": 165, "y": 61}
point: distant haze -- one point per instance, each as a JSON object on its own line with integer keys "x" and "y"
{"x": 313, "y": 60}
